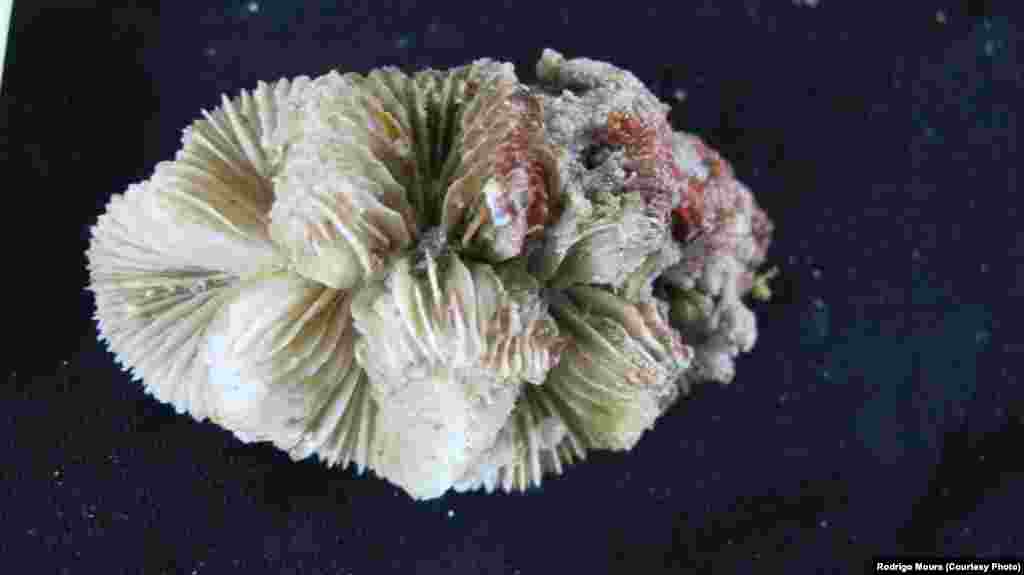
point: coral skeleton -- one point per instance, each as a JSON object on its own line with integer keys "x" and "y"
{"x": 450, "y": 278}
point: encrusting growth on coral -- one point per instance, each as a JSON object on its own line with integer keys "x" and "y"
{"x": 450, "y": 278}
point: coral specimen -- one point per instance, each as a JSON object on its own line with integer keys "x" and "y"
{"x": 450, "y": 278}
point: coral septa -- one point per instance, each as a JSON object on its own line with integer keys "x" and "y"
{"x": 446, "y": 277}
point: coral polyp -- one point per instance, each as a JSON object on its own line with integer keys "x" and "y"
{"x": 450, "y": 278}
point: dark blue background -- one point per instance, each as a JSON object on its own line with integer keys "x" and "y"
{"x": 879, "y": 413}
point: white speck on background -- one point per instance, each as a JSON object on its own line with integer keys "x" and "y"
{"x": 253, "y": 7}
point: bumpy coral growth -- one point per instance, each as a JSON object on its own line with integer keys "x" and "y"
{"x": 450, "y": 278}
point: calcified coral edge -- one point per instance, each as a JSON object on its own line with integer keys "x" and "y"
{"x": 449, "y": 278}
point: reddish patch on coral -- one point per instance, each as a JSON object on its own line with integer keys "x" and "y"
{"x": 647, "y": 143}
{"x": 539, "y": 210}
{"x": 686, "y": 222}
{"x": 518, "y": 163}
{"x": 690, "y": 217}
{"x": 625, "y": 129}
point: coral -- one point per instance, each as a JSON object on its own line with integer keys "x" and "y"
{"x": 450, "y": 278}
